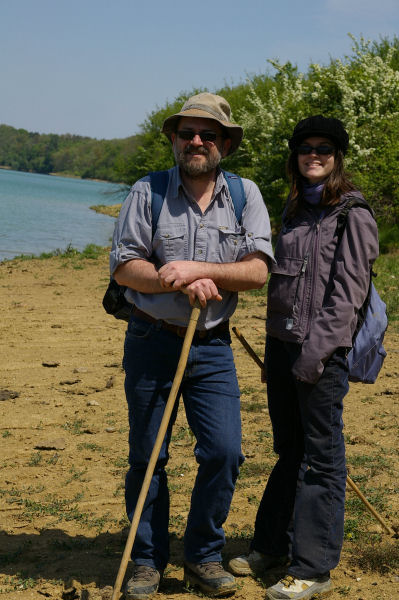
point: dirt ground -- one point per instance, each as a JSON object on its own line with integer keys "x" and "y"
{"x": 63, "y": 440}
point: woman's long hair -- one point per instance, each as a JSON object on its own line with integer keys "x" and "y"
{"x": 336, "y": 184}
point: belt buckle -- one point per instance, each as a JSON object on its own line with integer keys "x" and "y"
{"x": 181, "y": 331}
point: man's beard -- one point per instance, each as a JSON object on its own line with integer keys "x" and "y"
{"x": 196, "y": 169}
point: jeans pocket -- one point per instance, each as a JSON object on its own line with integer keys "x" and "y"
{"x": 224, "y": 340}
{"x": 139, "y": 330}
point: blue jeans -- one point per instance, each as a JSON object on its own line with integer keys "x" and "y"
{"x": 302, "y": 509}
{"x": 211, "y": 398}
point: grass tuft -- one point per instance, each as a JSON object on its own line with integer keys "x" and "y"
{"x": 380, "y": 558}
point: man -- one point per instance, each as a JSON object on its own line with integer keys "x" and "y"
{"x": 198, "y": 251}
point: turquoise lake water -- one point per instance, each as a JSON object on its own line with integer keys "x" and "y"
{"x": 42, "y": 213}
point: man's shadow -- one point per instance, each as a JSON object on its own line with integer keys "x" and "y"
{"x": 56, "y": 556}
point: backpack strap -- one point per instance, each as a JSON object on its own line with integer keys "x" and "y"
{"x": 341, "y": 224}
{"x": 159, "y": 184}
{"x": 343, "y": 215}
{"x": 236, "y": 189}
{"x": 159, "y": 181}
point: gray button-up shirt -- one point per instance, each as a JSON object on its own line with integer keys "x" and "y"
{"x": 185, "y": 233}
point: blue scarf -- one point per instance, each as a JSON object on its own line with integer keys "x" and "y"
{"x": 312, "y": 192}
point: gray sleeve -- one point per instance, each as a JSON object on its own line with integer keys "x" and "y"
{"x": 357, "y": 252}
{"x": 133, "y": 229}
{"x": 256, "y": 223}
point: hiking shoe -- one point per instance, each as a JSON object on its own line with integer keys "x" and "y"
{"x": 290, "y": 588}
{"x": 210, "y": 577}
{"x": 143, "y": 583}
{"x": 255, "y": 562}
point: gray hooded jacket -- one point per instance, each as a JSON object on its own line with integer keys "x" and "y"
{"x": 316, "y": 289}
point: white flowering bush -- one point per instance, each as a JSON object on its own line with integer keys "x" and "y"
{"x": 361, "y": 90}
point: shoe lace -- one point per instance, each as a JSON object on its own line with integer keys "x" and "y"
{"x": 212, "y": 568}
{"x": 143, "y": 572}
{"x": 287, "y": 581}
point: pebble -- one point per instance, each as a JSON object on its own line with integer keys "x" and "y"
{"x": 110, "y": 382}
{"x": 8, "y": 395}
{"x": 50, "y": 364}
{"x": 110, "y": 429}
{"x": 93, "y": 403}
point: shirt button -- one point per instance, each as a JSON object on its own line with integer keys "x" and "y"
{"x": 201, "y": 224}
{"x": 119, "y": 245}
{"x": 199, "y": 251}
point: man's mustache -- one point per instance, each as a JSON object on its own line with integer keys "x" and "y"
{"x": 196, "y": 150}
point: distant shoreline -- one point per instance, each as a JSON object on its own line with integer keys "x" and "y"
{"x": 62, "y": 174}
{"x": 110, "y": 210}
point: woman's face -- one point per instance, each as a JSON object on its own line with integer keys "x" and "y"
{"x": 316, "y": 167}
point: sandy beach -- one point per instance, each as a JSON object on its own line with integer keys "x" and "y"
{"x": 63, "y": 440}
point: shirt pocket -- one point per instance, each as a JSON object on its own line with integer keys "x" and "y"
{"x": 170, "y": 242}
{"x": 230, "y": 243}
{"x": 286, "y": 287}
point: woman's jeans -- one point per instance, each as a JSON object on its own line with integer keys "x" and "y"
{"x": 302, "y": 510}
{"x": 211, "y": 398}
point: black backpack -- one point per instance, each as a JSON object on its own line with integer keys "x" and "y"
{"x": 114, "y": 301}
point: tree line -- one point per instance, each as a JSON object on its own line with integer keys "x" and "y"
{"x": 76, "y": 155}
{"x": 361, "y": 89}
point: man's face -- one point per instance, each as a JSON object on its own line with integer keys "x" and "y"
{"x": 197, "y": 156}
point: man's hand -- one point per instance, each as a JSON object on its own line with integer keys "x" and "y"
{"x": 203, "y": 289}
{"x": 179, "y": 273}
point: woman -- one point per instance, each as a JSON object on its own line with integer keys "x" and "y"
{"x": 317, "y": 286}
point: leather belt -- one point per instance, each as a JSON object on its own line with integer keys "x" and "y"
{"x": 222, "y": 328}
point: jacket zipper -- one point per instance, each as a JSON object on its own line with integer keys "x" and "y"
{"x": 315, "y": 265}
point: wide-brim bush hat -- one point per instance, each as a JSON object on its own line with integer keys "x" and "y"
{"x": 207, "y": 106}
{"x": 318, "y": 125}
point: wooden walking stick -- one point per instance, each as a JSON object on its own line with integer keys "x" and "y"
{"x": 354, "y": 487}
{"x": 349, "y": 481}
{"x": 157, "y": 448}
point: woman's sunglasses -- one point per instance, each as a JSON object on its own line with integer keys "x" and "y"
{"x": 188, "y": 135}
{"x": 322, "y": 149}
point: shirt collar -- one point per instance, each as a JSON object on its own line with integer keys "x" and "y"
{"x": 176, "y": 183}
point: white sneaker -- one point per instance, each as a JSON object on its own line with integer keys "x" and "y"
{"x": 255, "y": 562}
{"x": 290, "y": 588}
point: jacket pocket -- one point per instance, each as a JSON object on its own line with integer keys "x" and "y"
{"x": 170, "y": 242}
{"x": 286, "y": 287}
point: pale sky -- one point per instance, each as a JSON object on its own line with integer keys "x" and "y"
{"x": 97, "y": 67}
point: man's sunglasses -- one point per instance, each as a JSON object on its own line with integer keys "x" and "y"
{"x": 322, "y": 149}
{"x": 188, "y": 135}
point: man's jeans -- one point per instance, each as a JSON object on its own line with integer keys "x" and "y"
{"x": 211, "y": 397}
{"x": 304, "y": 499}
